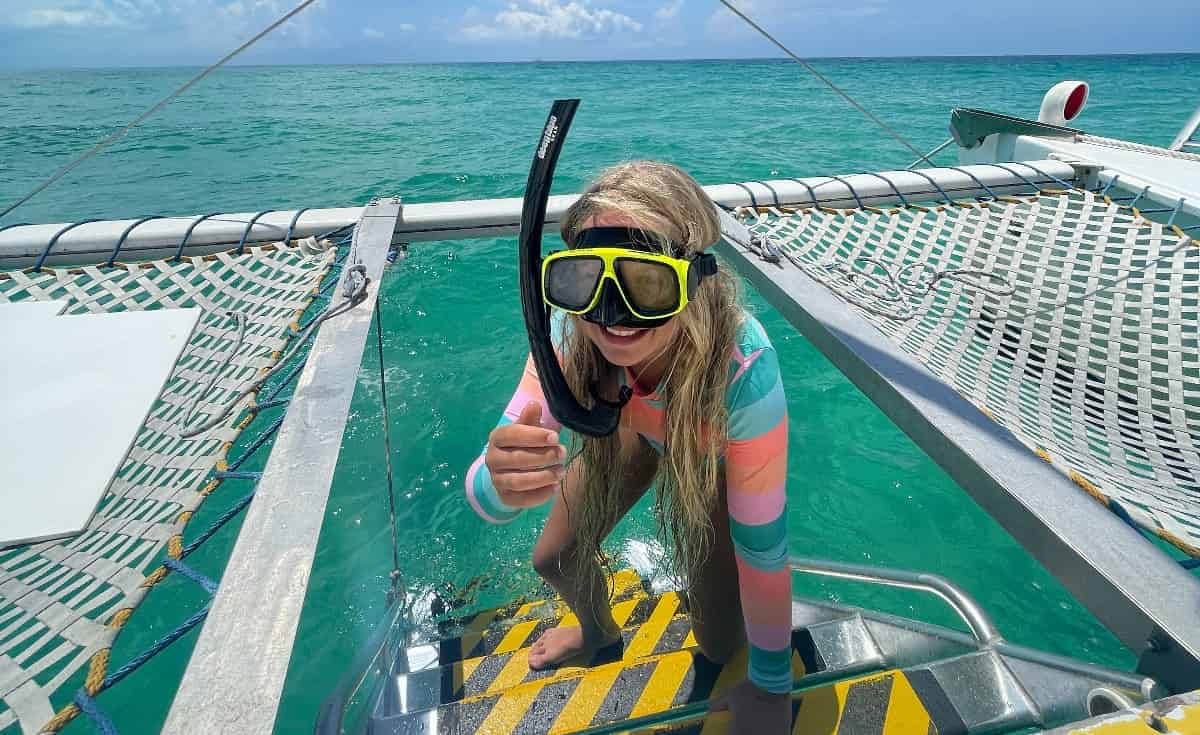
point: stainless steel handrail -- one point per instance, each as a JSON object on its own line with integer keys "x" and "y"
{"x": 970, "y": 611}
{"x": 1187, "y": 132}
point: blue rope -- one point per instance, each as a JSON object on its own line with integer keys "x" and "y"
{"x": 941, "y": 191}
{"x": 15, "y": 224}
{"x": 258, "y": 442}
{"x": 125, "y": 235}
{"x": 241, "y": 248}
{"x": 1032, "y": 185}
{"x": 188, "y": 234}
{"x": 91, "y": 708}
{"x": 266, "y": 405}
{"x": 289, "y": 378}
{"x": 334, "y": 270}
{"x": 37, "y": 267}
{"x": 774, "y": 194}
{"x": 853, "y": 193}
{"x": 1190, "y": 563}
{"x": 974, "y": 178}
{"x": 748, "y": 190}
{"x": 217, "y": 525}
{"x": 229, "y": 475}
{"x": 178, "y": 566}
{"x": 136, "y": 662}
{"x": 1049, "y": 176}
{"x": 888, "y": 181}
{"x": 287, "y": 239}
{"x": 1175, "y": 212}
{"x": 1138, "y": 198}
{"x": 811, "y": 194}
{"x": 1123, "y": 514}
{"x": 1110, "y": 184}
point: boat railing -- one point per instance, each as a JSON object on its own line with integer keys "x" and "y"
{"x": 1187, "y": 140}
{"x": 971, "y": 612}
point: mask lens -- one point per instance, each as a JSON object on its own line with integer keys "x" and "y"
{"x": 571, "y": 282}
{"x": 652, "y": 287}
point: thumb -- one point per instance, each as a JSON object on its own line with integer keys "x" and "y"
{"x": 720, "y": 704}
{"x": 531, "y": 415}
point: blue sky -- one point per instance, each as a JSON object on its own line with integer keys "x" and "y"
{"x": 90, "y": 33}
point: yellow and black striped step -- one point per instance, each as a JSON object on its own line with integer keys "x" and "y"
{"x": 658, "y": 668}
{"x": 650, "y": 626}
{"x": 886, "y": 703}
{"x": 509, "y": 627}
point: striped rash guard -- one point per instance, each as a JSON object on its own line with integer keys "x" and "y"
{"x": 755, "y": 459}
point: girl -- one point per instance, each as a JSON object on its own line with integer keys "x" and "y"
{"x": 707, "y": 426}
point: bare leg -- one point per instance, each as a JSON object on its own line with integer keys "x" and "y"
{"x": 714, "y": 602}
{"x": 574, "y": 572}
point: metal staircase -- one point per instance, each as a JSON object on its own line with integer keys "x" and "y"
{"x": 855, "y": 672}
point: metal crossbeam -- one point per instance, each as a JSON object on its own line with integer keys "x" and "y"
{"x": 234, "y": 681}
{"x": 23, "y": 245}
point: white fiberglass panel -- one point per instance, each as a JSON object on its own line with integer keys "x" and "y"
{"x": 75, "y": 390}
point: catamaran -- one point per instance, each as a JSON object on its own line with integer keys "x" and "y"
{"x": 1029, "y": 317}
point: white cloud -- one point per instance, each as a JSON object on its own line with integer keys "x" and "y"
{"x": 61, "y": 15}
{"x": 669, "y": 11}
{"x": 551, "y": 19}
{"x": 189, "y": 24}
{"x": 372, "y": 33}
{"x": 406, "y": 28}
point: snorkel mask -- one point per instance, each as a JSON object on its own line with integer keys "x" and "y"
{"x": 619, "y": 277}
{"x": 602, "y": 419}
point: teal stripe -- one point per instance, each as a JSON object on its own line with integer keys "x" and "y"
{"x": 489, "y": 498}
{"x": 771, "y": 671}
{"x": 758, "y": 381}
{"x": 755, "y": 419}
{"x": 771, "y": 559}
{"x": 752, "y": 335}
{"x": 759, "y": 537}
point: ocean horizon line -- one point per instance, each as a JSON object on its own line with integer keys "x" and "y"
{"x": 681, "y": 60}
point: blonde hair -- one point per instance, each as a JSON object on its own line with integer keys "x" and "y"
{"x": 663, "y": 200}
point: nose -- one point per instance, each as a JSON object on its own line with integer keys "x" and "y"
{"x": 610, "y": 310}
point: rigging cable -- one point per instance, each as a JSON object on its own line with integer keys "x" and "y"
{"x": 829, "y": 83}
{"x": 148, "y": 113}
{"x": 395, "y": 591}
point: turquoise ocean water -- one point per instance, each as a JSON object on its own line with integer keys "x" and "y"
{"x": 254, "y": 138}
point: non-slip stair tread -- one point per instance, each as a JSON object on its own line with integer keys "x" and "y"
{"x": 873, "y": 704}
{"x": 506, "y": 636}
{"x": 567, "y": 700}
{"x": 650, "y": 627}
{"x": 625, "y": 584}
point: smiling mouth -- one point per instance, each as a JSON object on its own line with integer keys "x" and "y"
{"x": 623, "y": 336}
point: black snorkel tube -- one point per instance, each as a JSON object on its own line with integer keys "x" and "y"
{"x": 601, "y": 420}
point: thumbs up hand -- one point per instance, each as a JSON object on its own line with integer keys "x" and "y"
{"x": 525, "y": 460}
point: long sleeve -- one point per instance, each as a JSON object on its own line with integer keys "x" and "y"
{"x": 481, "y": 493}
{"x": 756, "y": 478}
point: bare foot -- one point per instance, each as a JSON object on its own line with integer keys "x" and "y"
{"x": 559, "y": 645}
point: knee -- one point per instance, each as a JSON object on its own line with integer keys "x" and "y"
{"x": 554, "y": 560}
